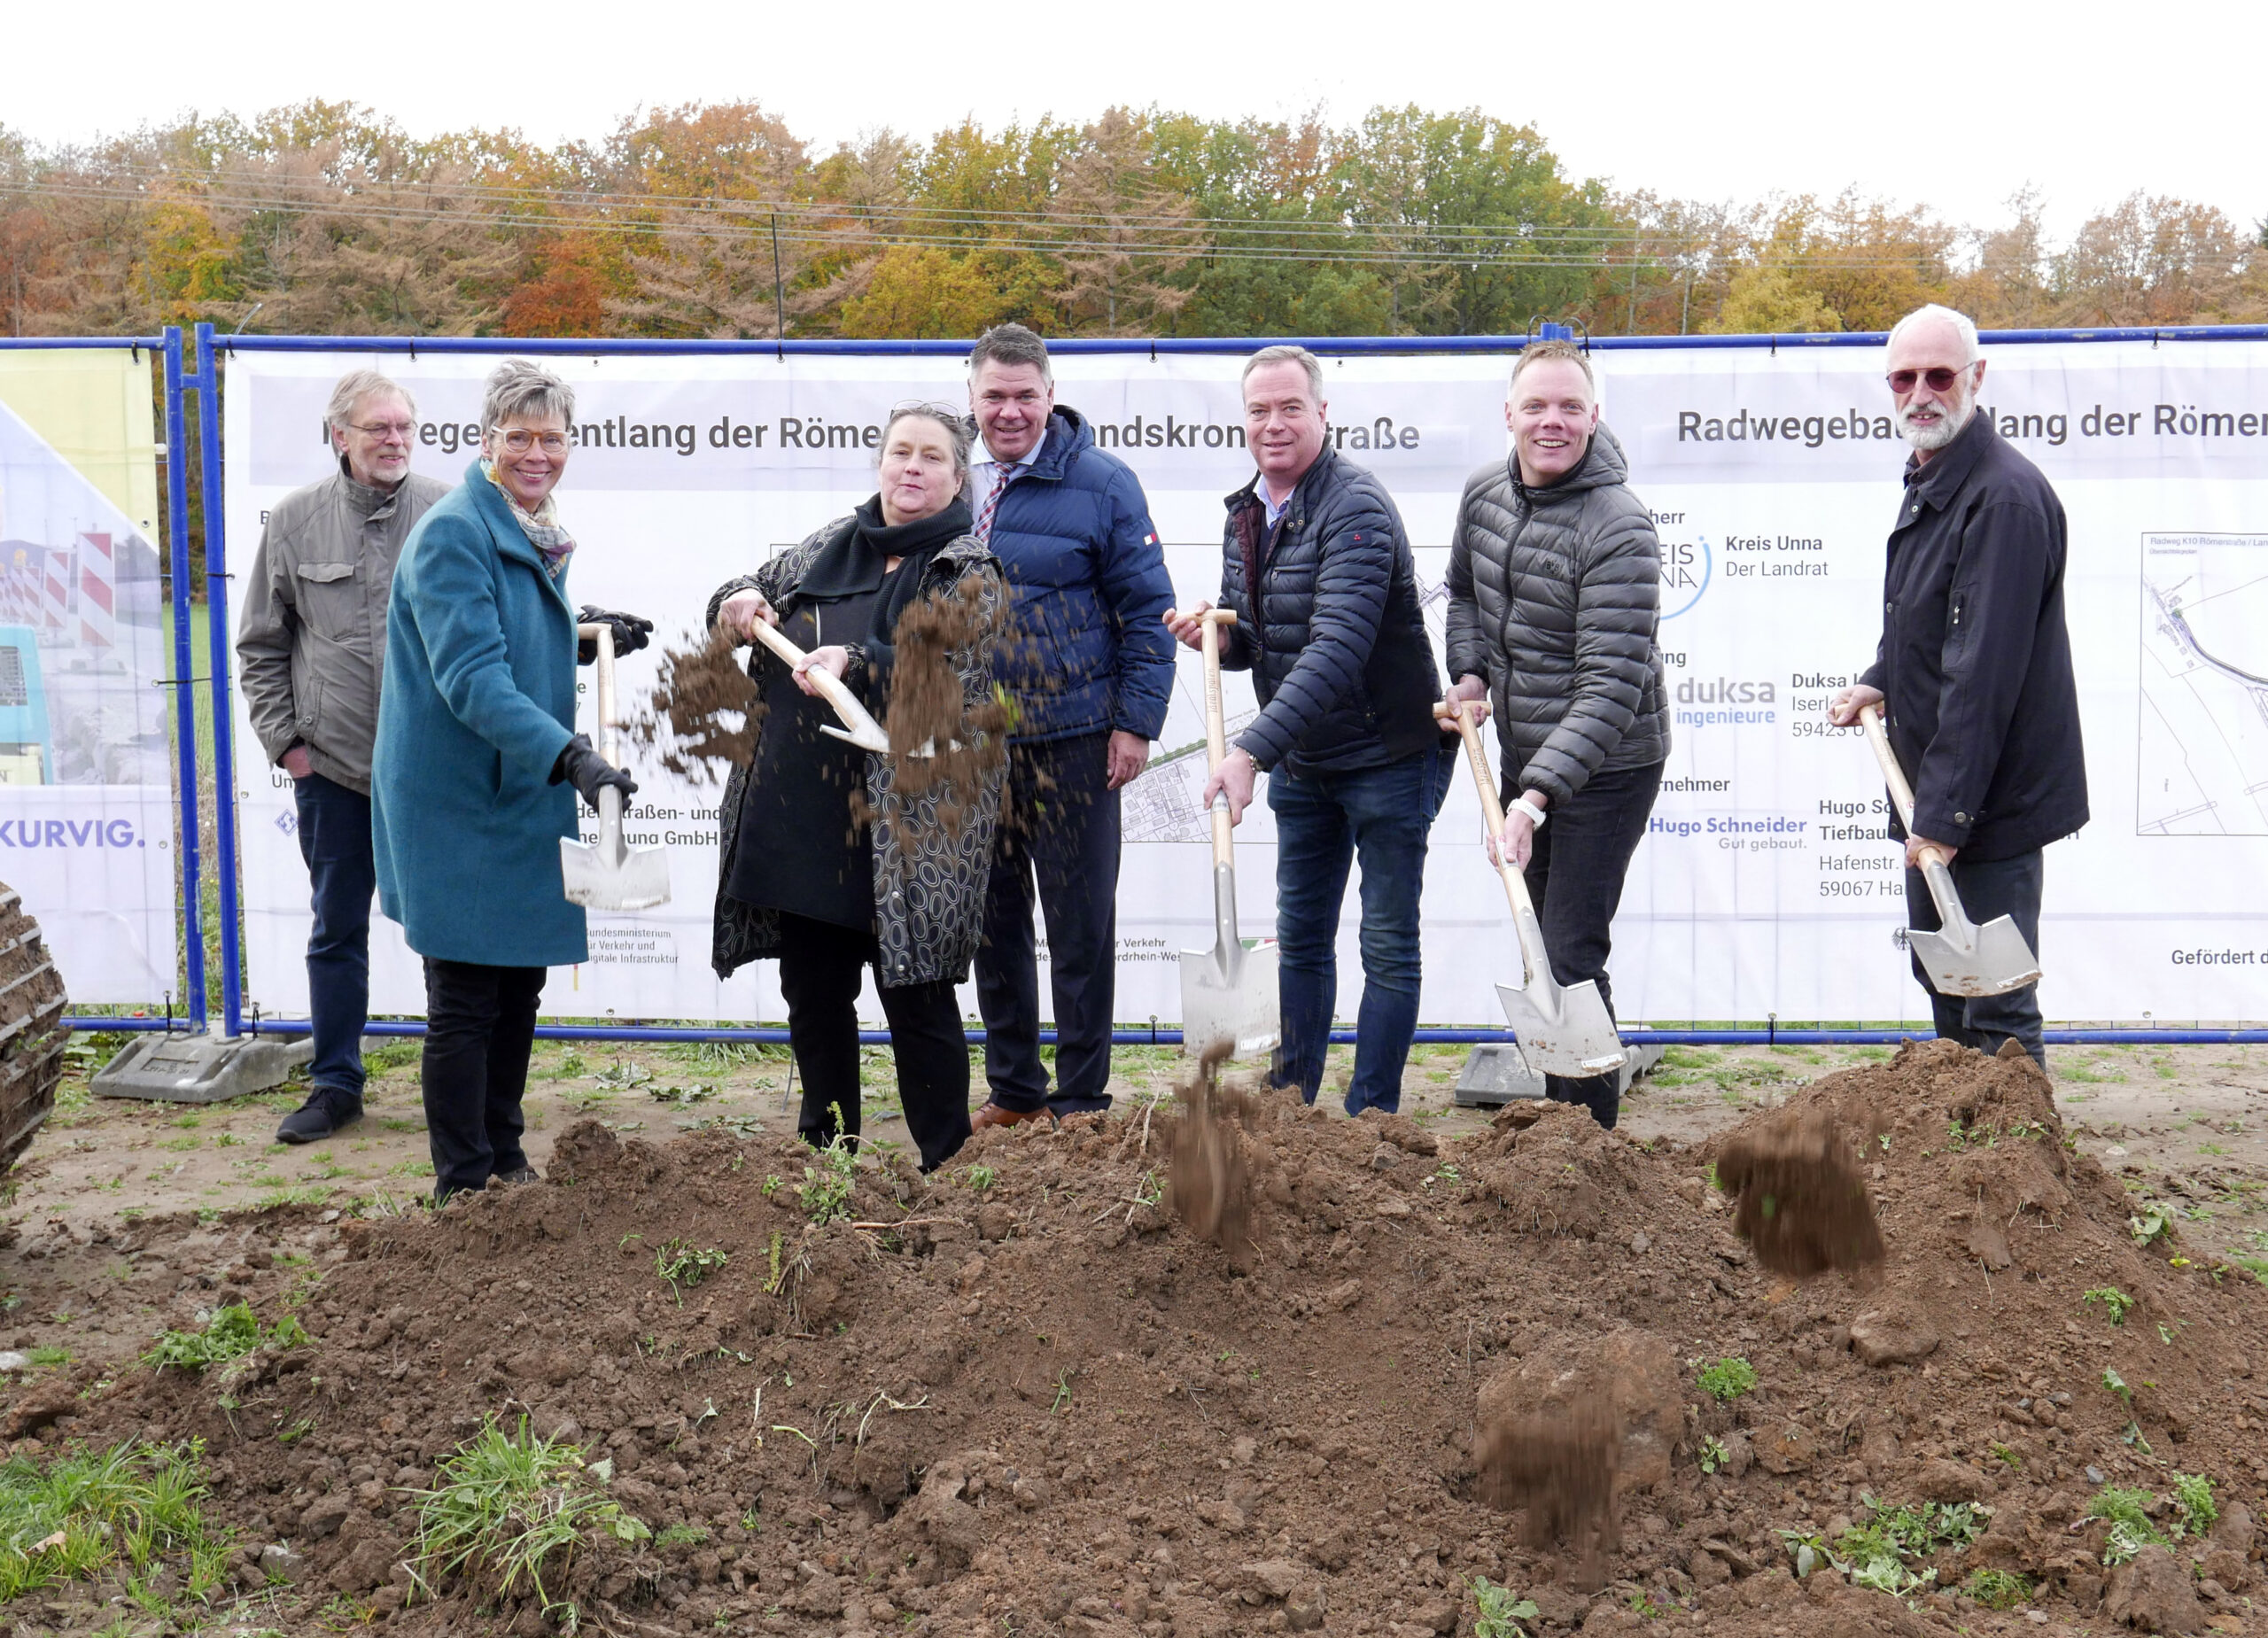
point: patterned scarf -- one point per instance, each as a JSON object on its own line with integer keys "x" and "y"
{"x": 541, "y": 526}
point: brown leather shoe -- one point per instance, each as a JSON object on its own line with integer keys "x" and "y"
{"x": 993, "y": 1115}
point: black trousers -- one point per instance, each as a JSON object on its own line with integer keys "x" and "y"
{"x": 335, "y": 840}
{"x": 822, "y": 966}
{"x": 1061, "y": 829}
{"x": 479, "y": 1025}
{"x": 1575, "y": 876}
{"x": 1988, "y": 888}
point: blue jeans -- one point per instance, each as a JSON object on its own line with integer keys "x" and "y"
{"x": 1324, "y": 823}
{"x": 335, "y": 840}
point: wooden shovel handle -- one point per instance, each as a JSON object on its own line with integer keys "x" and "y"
{"x": 602, "y": 633}
{"x": 1492, "y": 806}
{"x": 832, "y": 689}
{"x": 1217, "y": 733}
{"x": 1900, "y": 792}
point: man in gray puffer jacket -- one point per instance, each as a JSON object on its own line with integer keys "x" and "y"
{"x": 1554, "y": 582}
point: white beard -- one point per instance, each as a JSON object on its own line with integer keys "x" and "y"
{"x": 1938, "y": 434}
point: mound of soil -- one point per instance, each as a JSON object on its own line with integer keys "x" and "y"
{"x": 1023, "y": 1396}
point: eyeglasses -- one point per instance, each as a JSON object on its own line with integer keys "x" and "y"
{"x": 519, "y": 442}
{"x": 383, "y": 430}
{"x": 1941, "y": 379}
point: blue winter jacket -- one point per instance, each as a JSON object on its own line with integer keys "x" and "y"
{"x": 478, "y": 701}
{"x": 1090, "y": 651}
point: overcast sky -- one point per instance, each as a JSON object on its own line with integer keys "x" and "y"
{"x": 1955, "y": 106}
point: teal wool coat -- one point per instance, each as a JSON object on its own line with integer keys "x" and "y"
{"x": 478, "y": 701}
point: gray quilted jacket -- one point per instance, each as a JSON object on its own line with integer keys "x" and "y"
{"x": 1555, "y": 600}
{"x": 311, "y": 643}
{"x": 930, "y": 877}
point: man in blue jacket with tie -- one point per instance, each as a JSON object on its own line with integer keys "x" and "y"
{"x": 1091, "y": 667}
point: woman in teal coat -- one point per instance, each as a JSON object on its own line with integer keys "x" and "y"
{"x": 476, "y": 753}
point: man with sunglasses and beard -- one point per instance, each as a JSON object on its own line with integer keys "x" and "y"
{"x": 1974, "y": 663}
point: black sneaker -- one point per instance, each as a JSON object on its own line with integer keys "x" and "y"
{"x": 514, "y": 1179}
{"x": 328, "y": 1110}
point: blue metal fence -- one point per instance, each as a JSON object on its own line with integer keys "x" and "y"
{"x": 205, "y": 379}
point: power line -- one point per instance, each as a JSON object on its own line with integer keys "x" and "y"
{"x": 836, "y": 226}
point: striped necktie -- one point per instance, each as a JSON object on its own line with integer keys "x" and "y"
{"x": 1008, "y": 472}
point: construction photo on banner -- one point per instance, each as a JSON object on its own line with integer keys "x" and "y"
{"x": 1767, "y": 885}
{"x": 87, "y": 797}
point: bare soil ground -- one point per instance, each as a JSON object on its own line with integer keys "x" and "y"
{"x": 1022, "y": 1397}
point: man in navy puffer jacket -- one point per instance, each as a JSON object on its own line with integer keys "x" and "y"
{"x": 1090, "y": 668}
{"x": 1318, "y": 567}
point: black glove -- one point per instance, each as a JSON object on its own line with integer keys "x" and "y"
{"x": 581, "y": 766}
{"x": 630, "y": 632}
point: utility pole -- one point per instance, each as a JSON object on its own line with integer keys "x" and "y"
{"x": 779, "y": 292}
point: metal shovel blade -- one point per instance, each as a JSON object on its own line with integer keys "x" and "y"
{"x": 1230, "y": 998}
{"x": 609, "y": 873}
{"x": 1566, "y": 1031}
{"x": 1963, "y": 959}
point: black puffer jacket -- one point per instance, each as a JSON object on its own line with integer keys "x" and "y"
{"x": 1555, "y": 600}
{"x": 1328, "y": 623}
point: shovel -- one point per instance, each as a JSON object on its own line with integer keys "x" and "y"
{"x": 862, "y": 730}
{"x": 609, "y": 873}
{"x": 1568, "y": 1031}
{"x": 1229, "y": 994}
{"x": 1961, "y": 958}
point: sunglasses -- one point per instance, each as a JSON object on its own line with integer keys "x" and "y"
{"x": 1941, "y": 379}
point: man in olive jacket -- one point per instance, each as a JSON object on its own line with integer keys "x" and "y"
{"x": 311, "y": 649}
{"x": 1554, "y": 586}
{"x": 1974, "y": 663}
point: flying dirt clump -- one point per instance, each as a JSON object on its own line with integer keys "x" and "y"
{"x": 704, "y": 712}
{"x": 939, "y": 738}
{"x": 1800, "y": 1199}
{"x": 1210, "y": 1178}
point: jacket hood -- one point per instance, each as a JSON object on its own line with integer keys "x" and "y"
{"x": 1603, "y": 465}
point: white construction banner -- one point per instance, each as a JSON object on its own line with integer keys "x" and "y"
{"x": 1766, "y": 886}
{"x": 87, "y": 802}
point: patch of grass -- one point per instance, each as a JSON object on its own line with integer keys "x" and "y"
{"x": 48, "y": 1358}
{"x": 133, "y": 1505}
{"x": 825, "y": 1188}
{"x": 233, "y": 1332}
{"x": 1727, "y": 1379}
{"x": 2151, "y": 1222}
{"x": 507, "y": 1508}
{"x": 685, "y": 1265}
{"x": 1998, "y": 1589}
{"x": 680, "y": 1536}
{"x": 2127, "y": 1513}
{"x": 395, "y": 1124}
{"x": 2193, "y": 1494}
{"x": 2115, "y": 1302}
{"x": 978, "y": 1177}
{"x": 392, "y": 1055}
{"x": 1496, "y": 1613}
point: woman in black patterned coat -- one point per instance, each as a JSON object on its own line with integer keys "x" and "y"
{"x": 828, "y": 864}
